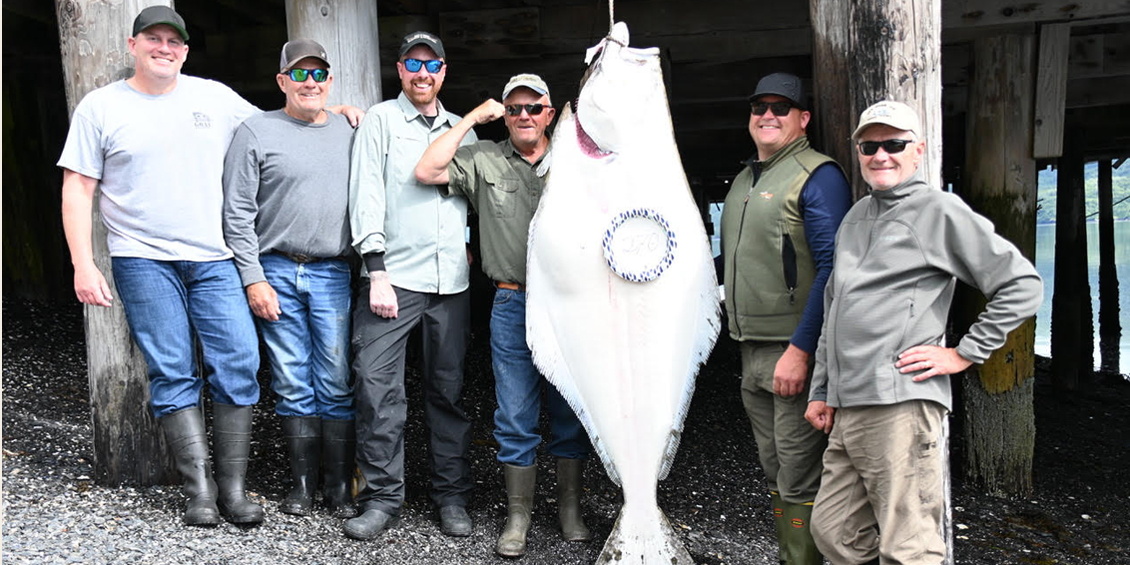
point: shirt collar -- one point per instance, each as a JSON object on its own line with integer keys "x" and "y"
{"x": 411, "y": 113}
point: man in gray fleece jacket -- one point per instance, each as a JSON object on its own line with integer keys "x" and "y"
{"x": 881, "y": 383}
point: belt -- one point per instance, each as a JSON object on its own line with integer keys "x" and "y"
{"x": 510, "y": 286}
{"x": 301, "y": 258}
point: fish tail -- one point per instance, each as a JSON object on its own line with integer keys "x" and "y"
{"x": 644, "y": 537}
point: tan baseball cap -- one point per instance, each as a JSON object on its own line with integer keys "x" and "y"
{"x": 530, "y": 81}
{"x": 888, "y": 112}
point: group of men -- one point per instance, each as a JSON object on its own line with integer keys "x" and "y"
{"x": 248, "y": 227}
{"x": 845, "y": 370}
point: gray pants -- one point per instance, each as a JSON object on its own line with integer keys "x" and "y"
{"x": 789, "y": 447}
{"x": 379, "y": 352}
{"x": 882, "y": 493}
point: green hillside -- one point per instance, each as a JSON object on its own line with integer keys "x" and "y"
{"x": 1121, "y": 188}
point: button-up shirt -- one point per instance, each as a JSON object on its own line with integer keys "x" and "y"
{"x": 505, "y": 189}
{"x": 421, "y": 233}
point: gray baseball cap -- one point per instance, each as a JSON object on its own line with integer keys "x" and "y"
{"x": 421, "y": 38}
{"x": 530, "y": 81}
{"x": 298, "y": 49}
{"x": 155, "y": 15}
{"x": 781, "y": 84}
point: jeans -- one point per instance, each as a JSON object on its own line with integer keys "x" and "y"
{"x": 518, "y": 386}
{"x": 167, "y": 305}
{"x": 308, "y": 347}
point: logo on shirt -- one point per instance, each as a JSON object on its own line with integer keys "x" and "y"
{"x": 766, "y": 195}
{"x": 201, "y": 120}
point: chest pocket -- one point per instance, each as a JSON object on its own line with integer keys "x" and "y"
{"x": 503, "y": 195}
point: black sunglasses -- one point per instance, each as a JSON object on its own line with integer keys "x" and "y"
{"x": 891, "y": 146}
{"x": 531, "y": 109}
{"x": 413, "y": 65}
{"x": 779, "y": 108}
{"x": 299, "y": 75}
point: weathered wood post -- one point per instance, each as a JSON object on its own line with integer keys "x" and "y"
{"x": 1000, "y": 183}
{"x": 128, "y": 445}
{"x": 1072, "y": 341}
{"x": 1110, "y": 331}
{"x": 348, "y": 31}
{"x": 870, "y": 50}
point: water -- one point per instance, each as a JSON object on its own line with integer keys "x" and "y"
{"x": 1045, "y": 264}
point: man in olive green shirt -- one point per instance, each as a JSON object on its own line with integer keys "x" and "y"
{"x": 503, "y": 181}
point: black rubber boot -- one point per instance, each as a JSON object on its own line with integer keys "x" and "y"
{"x": 569, "y": 500}
{"x": 188, "y": 443}
{"x": 520, "y": 482}
{"x": 231, "y": 438}
{"x": 304, "y": 444}
{"x": 339, "y": 444}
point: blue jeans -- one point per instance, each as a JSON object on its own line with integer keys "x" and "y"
{"x": 518, "y": 386}
{"x": 308, "y": 347}
{"x": 167, "y": 305}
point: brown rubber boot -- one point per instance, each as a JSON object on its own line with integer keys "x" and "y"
{"x": 569, "y": 489}
{"x": 520, "y": 483}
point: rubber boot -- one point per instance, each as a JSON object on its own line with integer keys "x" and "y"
{"x": 797, "y": 546}
{"x": 231, "y": 438}
{"x": 519, "y": 504}
{"x": 779, "y": 523}
{"x": 339, "y": 444}
{"x": 569, "y": 500}
{"x": 304, "y": 444}
{"x": 184, "y": 432}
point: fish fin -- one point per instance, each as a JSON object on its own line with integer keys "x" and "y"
{"x": 646, "y": 538}
{"x": 705, "y": 336}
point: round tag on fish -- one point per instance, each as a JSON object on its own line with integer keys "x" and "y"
{"x": 639, "y": 245}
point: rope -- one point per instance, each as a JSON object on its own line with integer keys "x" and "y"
{"x": 1093, "y": 214}
{"x": 611, "y": 17}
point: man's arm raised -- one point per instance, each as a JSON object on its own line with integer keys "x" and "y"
{"x": 432, "y": 168}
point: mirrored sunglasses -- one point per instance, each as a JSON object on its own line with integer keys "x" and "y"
{"x": 891, "y": 146}
{"x": 300, "y": 75}
{"x": 531, "y": 109}
{"x": 413, "y": 65}
{"x": 779, "y": 109}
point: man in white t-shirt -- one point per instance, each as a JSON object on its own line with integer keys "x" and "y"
{"x": 154, "y": 143}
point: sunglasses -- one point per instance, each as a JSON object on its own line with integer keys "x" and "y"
{"x": 779, "y": 108}
{"x": 413, "y": 65}
{"x": 891, "y": 146}
{"x": 300, "y": 75}
{"x": 531, "y": 109}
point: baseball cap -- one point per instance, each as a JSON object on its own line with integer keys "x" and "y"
{"x": 298, "y": 49}
{"x": 888, "y": 112}
{"x": 154, "y": 15}
{"x": 530, "y": 81}
{"x": 781, "y": 84}
{"x": 421, "y": 38}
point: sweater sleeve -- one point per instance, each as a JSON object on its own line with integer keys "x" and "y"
{"x": 241, "y": 205}
{"x": 824, "y": 201}
{"x": 971, "y": 250}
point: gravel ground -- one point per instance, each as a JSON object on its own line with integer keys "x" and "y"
{"x": 53, "y": 513}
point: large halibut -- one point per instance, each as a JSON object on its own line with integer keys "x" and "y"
{"x": 622, "y": 305}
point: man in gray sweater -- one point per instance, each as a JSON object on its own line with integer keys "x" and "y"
{"x": 881, "y": 384}
{"x": 286, "y": 196}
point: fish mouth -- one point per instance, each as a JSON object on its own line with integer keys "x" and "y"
{"x": 584, "y": 141}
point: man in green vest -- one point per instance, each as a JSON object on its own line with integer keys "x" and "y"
{"x": 778, "y": 232}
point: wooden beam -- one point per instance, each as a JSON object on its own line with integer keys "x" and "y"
{"x": 1051, "y": 90}
{"x": 1072, "y": 329}
{"x": 1105, "y": 91}
{"x": 1110, "y": 330}
{"x": 972, "y": 13}
{"x": 347, "y": 31}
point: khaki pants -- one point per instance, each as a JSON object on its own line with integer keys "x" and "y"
{"x": 881, "y": 493}
{"x": 788, "y": 446}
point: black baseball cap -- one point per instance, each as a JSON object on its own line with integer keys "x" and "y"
{"x": 154, "y": 15}
{"x": 421, "y": 38}
{"x": 781, "y": 84}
